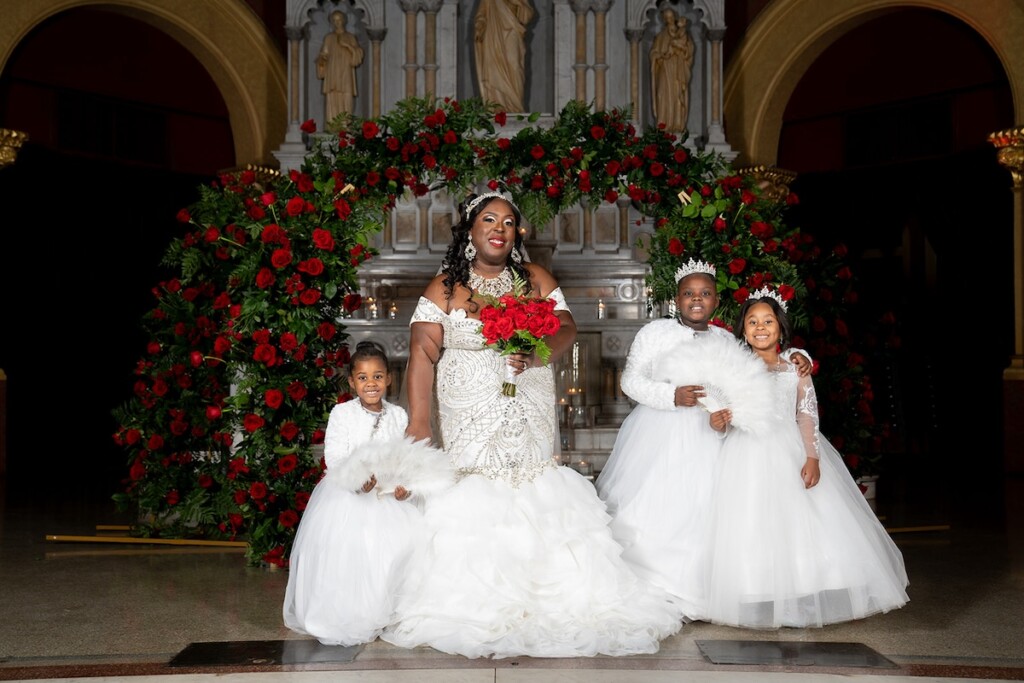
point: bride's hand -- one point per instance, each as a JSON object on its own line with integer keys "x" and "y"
{"x": 521, "y": 361}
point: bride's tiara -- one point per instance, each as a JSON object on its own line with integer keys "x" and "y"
{"x": 764, "y": 291}
{"x": 691, "y": 267}
{"x": 475, "y": 201}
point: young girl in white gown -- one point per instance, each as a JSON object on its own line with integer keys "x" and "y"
{"x": 352, "y": 545}
{"x": 792, "y": 540}
{"x": 657, "y": 482}
{"x": 519, "y": 558}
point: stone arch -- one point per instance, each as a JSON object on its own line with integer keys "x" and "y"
{"x": 769, "y": 63}
{"x": 227, "y": 38}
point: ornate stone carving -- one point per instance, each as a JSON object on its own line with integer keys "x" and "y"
{"x": 773, "y": 181}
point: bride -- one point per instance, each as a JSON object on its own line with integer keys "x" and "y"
{"x": 519, "y": 558}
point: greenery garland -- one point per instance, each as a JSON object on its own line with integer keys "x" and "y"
{"x": 247, "y": 342}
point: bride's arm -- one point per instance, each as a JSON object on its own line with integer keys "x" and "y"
{"x": 425, "y": 340}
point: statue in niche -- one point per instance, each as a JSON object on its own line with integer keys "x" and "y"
{"x": 336, "y": 65}
{"x": 499, "y": 28}
{"x": 671, "y": 66}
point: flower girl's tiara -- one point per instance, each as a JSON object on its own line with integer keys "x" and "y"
{"x": 691, "y": 267}
{"x": 764, "y": 291}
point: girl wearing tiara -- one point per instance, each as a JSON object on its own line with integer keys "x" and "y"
{"x": 658, "y": 479}
{"x": 792, "y": 540}
{"x": 358, "y": 529}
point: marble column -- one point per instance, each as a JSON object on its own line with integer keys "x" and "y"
{"x": 293, "y": 150}
{"x": 376, "y": 36}
{"x": 410, "y": 7}
{"x": 430, "y": 10}
{"x": 600, "y": 8}
{"x": 634, "y": 36}
{"x": 580, "y": 66}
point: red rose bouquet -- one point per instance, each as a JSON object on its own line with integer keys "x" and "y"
{"x": 515, "y": 323}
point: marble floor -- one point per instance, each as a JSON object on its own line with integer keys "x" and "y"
{"x": 100, "y": 610}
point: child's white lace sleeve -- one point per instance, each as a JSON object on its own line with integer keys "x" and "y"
{"x": 638, "y": 376}
{"x": 807, "y": 416}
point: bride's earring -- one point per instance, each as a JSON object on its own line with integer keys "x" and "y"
{"x": 516, "y": 256}
{"x": 470, "y": 252}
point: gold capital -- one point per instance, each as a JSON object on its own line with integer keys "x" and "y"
{"x": 10, "y": 142}
{"x": 1010, "y": 146}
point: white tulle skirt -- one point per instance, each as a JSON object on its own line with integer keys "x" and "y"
{"x": 657, "y": 485}
{"x": 530, "y": 571}
{"x": 783, "y": 555}
{"x": 347, "y": 561}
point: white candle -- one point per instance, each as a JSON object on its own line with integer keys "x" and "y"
{"x": 393, "y": 310}
{"x": 600, "y": 309}
{"x": 372, "y": 307}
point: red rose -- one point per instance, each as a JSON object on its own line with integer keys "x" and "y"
{"x": 737, "y": 265}
{"x": 537, "y": 152}
{"x": 370, "y": 130}
{"x": 297, "y": 390}
{"x": 212, "y": 234}
{"x": 132, "y": 436}
{"x": 205, "y": 481}
{"x": 323, "y": 239}
{"x": 253, "y": 422}
{"x": 213, "y": 412}
{"x": 301, "y": 500}
{"x": 288, "y": 518}
{"x": 173, "y": 497}
{"x": 675, "y": 247}
{"x": 287, "y": 463}
{"x": 308, "y": 126}
{"x": 273, "y": 398}
{"x": 137, "y": 471}
{"x": 611, "y": 196}
{"x": 241, "y": 495}
{"x": 258, "y": 490}
{"x": 501, "y": 118}
{"x": 352, "y": 302}
{"x": 504, "y": 144}
{"x": 289, "y": 341}
{"x": 266, "y": 354}
{"x": 289, "y": 430}
{"x": 153, "y": 348}
{"x": 295, "y": 206}
{"x": 310, "y": 297}
{"x": 184, "y": 216}
{"x": 597, "y": 132}
{"x": 281, "y": 258}
{"x": 268, "y": 198}
{"x": 326, "y": 330}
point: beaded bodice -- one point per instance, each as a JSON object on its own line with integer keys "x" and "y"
{"x": 483, "y": 431}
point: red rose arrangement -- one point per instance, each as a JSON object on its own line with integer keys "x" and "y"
{"x": 516, "y": 323}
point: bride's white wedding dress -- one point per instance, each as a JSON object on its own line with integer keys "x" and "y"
{"x": 519, "y": 558}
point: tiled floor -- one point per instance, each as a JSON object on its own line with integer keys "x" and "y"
{"x": 106, "y": 610}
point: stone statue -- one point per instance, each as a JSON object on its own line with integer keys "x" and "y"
{"x": 500, "y": 50}
{"x": 336, "y": 65}
{"x": 671, "y": 67}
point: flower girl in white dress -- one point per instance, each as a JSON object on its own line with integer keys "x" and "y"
{"x": 792, "y": 540}
{"x": 357, "y": 532}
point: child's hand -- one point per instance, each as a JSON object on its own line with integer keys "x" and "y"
{"x": 687, "y": 395}
{"x": 811, "y": 473}
{"x": 802, "y": 362}
{"x": 401, "y": 493}
{"x": 720, "y": 419}
{"x": 369, "y": 484}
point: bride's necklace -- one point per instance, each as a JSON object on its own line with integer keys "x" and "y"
{"x": 495, "y": 286}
